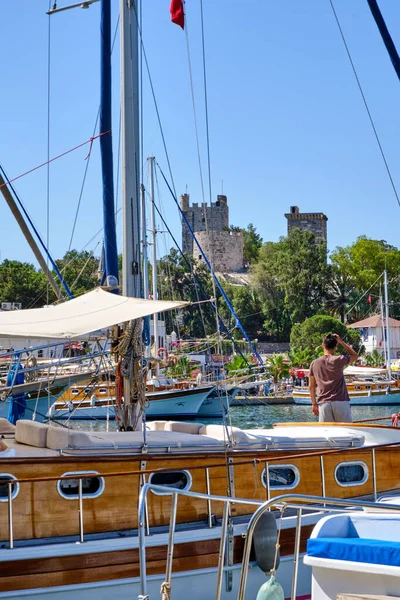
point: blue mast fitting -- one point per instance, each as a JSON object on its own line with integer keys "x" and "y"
{"x": 221, "y": 289}
{"x": 110, "y": 236}
{"x": 35, "y": 231}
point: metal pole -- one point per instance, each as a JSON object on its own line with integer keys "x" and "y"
{"x": 130, "y": 155}
{"x": 144, "y": 244}
{"x": 28, "y": 236}
{"x": 222, "y": 545}
{"x": 10, "y": 515}
{"x": 80, "y": 511}
{"x": 296, "y": 554}
{"x": 153, "y": 253}
{"x": 389, "y": 369}
{"x": 374, "y": 474}
{"x": 267, "y": 481}
{"x": 142, "y": 540}
{"x": 172, "y": 524}
{"x": 208, "y": 488}
{"x": 383, "y": 324}
{"x": 321, "y": 462}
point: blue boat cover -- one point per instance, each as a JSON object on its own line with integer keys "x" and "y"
{"x": 378, "y": 552}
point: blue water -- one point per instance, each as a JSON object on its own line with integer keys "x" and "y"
{"x": 251, "y": 417}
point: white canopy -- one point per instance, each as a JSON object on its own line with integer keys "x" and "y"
{"x": 72, "y": 319}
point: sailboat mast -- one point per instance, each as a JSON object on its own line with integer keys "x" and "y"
{"x": 130, "y": 148}
{"x": 385, "y": 278}
{"x": 383, "y": 324}
{"x": 154, "y": 251}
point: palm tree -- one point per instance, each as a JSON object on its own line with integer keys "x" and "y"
{"x": 300, "y": 358}
{"x": 375, "y": 359}
{"x": 278, "y": 366}
{"x": 338, "y": 293}
{"x": 237, "y": 363}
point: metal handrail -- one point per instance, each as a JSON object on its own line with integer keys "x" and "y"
{"x": 299, "y": 502}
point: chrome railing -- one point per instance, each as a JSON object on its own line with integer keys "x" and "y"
{"x": 298, "y": 502}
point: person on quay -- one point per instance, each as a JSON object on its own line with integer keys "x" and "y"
{"x": 329, "y": 396}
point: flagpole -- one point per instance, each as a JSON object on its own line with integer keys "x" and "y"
{"x": 385, "y": 278}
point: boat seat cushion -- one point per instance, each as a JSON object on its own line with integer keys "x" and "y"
{"x": 156, "y": 425}
{"x": 219, "y": 432}
{"x": 192, "y": 428}
{"x": 61, "y": 437}
{"x": 355, "y": 549}
{"x": 6, "y": 426}
{"x": 31, "y": 433}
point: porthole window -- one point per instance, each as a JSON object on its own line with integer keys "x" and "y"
{"x": 74, "y": 391}
{"x": 351, "y": 473}
{"x": 179, "y": 480}
{"x": 92, "y": 487}
{"x": 102, "y": 390}
{"x": 4, "y": 481}
{"x": 357, "y": 387}
{"x": 281, "y": 477}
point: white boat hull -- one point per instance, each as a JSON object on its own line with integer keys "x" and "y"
{"x": 392, "y": 399}
{"x": 166, "y": 404}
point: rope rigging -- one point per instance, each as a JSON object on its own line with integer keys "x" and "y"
{"x": 365, "y": 104}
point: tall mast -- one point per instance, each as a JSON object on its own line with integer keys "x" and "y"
{"x": 130, "y": 148}
{"x": 145, "y": 267}
{"x": 153, "y": 251}
{"x": 110, "y": 236}
{"x": 387, "y": 323}
{"x": 383, "y": 324}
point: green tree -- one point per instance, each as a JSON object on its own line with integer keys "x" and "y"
{"x": 362, "y": 263}
{"x": 301, "y": 358}
{"x": 79, "y": 270}
{"x": 291, "y": 277}
{"x": 309, "y": 334}
{"x": 278, "y": 366}
{"x": 340, "y": 290}
{"x": 252, "y": 243}
{"x": 21, "y": 282}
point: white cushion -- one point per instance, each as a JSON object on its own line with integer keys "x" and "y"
{"x": 6, "y": 426}
{"x": 192, "y": 428}
{"x": 31, "y": 433}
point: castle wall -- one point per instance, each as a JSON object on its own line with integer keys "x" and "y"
{"x": 202, "y": 217}
{"x": 227, "y": 249}
{"x": 314, "y": 222}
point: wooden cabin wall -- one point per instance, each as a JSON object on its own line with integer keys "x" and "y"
{"x": 39, "y": 510}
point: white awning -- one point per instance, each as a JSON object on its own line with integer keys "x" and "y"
{"x": 87, "y": 313}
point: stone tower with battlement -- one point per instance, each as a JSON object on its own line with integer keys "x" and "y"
{"x": 224, "y": 249}
{"x": 314, "y": 222}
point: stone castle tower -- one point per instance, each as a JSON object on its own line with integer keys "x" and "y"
{"x": 314, "y": 222}
{"x": 224, "y": 249}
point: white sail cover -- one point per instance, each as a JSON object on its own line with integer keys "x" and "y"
{"x": 87, "y": 313}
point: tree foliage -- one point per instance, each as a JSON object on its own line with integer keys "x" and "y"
{"x": 309, "y": 334}
{"x": 21, "y": 282}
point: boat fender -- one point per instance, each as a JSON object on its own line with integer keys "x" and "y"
{"x": 162, "y": 353}
{"x": 271, "y": 590}
{"x": 264, "y": 541}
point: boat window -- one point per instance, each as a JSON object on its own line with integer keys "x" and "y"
{"x": 102, "y": 390}
{"x": 351, "y": 473}
{"x": 179, "y": 480}
{"x": 281, "y": 477}
{"x": 367, "y": 387}
{"x": 74, "y": 391}
{"x": 357, "y": 387}
{"x": 4, "y": 479}
{"x": 92, "y": 487}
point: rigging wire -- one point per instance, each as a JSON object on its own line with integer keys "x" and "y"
{"x": 48, "y": 145}
{"x": 365, "y": 104}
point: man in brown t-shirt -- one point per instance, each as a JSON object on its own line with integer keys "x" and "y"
{"x": 326, "y": 374}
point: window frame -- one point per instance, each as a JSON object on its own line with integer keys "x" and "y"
{"x": 282, "y": 487}
{"x": 185, "y": 489}
{"x": 84, "y": 496}
{"x": 352, "y": 463}
{"x": 15, "y": 492}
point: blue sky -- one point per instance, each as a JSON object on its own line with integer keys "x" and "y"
{"x": 287, "y": 123}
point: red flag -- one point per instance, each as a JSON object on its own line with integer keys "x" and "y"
{"x": 369, "y": 299}
{"x": 177, "y": 14}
